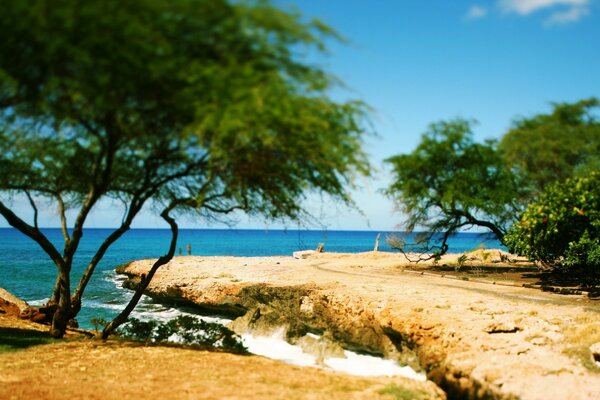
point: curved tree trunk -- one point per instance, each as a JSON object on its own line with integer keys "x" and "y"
{"x": 55, "y": 292}
{"x": 63, "y": 311}
{"x": 139, "y": 291}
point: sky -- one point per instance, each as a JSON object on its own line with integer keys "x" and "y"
{"x": 417, "y": 62}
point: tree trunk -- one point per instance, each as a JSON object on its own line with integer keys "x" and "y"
{"x": 55, "y": 292}
{"x": 76, "y": 300}
{"x": 139, "y": 291}
{"x": 63, "y": 311}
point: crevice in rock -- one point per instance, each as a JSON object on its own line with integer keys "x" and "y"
{"x": 342, "y": 319}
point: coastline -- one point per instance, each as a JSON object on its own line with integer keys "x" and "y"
{"x": 473, "y": 340}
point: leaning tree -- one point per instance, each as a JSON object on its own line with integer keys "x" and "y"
{"x": 450, "y": 183}
{"x": 192, "y": 106}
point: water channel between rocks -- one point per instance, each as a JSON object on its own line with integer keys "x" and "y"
{"x": 277, "y": 348}
{"x": 273, "y": 346}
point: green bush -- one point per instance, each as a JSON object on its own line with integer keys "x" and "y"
{"x": 185, "y": 330}
{"x": 562, "y": 228}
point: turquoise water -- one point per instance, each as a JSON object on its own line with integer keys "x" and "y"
{"x": 26, "y": 270}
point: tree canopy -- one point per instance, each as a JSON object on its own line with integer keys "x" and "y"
{"x": 450, "y": 183}
{"x": 556, "y": 146}
{"x": 562, "y": 227}
{"x": 200, "y": 106}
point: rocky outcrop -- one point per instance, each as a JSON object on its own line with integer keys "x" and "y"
{"x": 474, "y": 342}
{"x": 340, "y": 319}
{"x": 12, "y": 305}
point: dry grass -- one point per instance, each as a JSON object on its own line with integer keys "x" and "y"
{"x": 91, "y": 369}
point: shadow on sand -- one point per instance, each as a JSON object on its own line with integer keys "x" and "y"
{"x": 16, "y": 338}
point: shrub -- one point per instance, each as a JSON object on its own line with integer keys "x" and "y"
{"x": 461, "y": 261}
{"x": 562, "y": 228}
{"x": 185, "y": 330}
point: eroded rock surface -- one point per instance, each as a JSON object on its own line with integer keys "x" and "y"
{"x": 473, "y": 340}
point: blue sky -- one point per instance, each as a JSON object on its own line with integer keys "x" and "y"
{"x": 416, "y": 62}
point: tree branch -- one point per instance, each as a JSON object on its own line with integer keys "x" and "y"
{"x": 136, "y": 204}
{"x": 122, "y": 317}
{"x": 226, "y": 210}
{"x": 33, "y": 233}
{"x": 133, "y": 210}
{"x": 63, "y": 218}
{"x": 35, "y": 209}
{"x": 92, "y": 197}
{"x": 477, "y": 222}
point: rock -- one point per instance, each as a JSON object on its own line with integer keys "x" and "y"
{"x": 319, "y": 346}
{"x": 72, "y": 323}
{"x": 39, "y": 317}
{"x": 303, "y": 254}
{"x": 502, "y": 327}
{"x": 11, "y": 304}
{"x": 595, "y": 352}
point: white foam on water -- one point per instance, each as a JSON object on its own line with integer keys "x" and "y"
{"x": 363, "y": 365}
{"x": 38, "y": 303}
{"x": 273, "y": 346}
{"x": 146, "y": 309}
{"x": 277, "y": 348}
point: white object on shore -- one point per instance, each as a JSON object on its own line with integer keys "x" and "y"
{"x": 303, "y": 254}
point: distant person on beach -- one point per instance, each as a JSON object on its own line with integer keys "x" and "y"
{"x": 180, "y": 252}
{"x": 189, "y": 249}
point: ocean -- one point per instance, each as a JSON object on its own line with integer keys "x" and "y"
{"x": 27, "y": 272}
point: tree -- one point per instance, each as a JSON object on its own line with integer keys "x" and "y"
{"x": 192, "y": 106}
{"x": 450, "y": 182}
{"x": 562, "y": 227}
{"x": 553, "y": 147}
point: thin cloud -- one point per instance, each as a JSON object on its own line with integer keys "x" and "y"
{"x": 476, "y": 12}
{"x": 562, "y": 11}
{"x": 573, "y": 14}
{"x": 526, "y": 7}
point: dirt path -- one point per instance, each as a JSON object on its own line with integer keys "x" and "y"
{"x": 475, "y": 340}
{"x": 401, "y": 277}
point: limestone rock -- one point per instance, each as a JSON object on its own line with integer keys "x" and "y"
{"x": 13, "y": 303}
{"x": 595, "y": 351}
{"x": 303, "y": 254}
{"x": 502, "y": 327}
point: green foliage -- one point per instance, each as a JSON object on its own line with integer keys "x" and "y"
{"x": 562, "y": 227}
{"x": 553, "y": 147}
{"x": 149, "y": 89}
{"x": 195, "y": 106}
{"x": 450, "y": 182}
{"x": 98, "y": 323}
{"x": 461, "y": 260}
{"x": 186, "y": 330}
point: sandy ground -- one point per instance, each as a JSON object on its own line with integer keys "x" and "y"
{"x": 514, "y": 342}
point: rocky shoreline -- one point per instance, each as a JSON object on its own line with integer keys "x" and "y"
{"x": 474, "y": 341}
